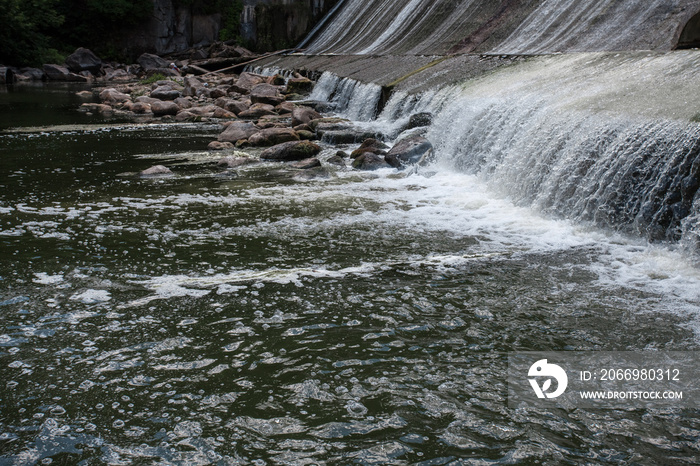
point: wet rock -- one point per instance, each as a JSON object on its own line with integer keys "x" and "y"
{"x": 299, "y": 86}
{"x": 156, "y": 170}
{"x": 348, "y": 136}
{"x": 160, "y": 108}
{"x": 336, "y": 160}
{"x": 150, "y": 62}
{"x": 289, "y": 151}
{"x": 238, "y": 130}
{"x": 24, "y": 74}
{"x": 204, "y": 110}
{"x": 370, "y": 145}
{"x": 84, "y": 60}
{"x": 186, "y": 115}
{"x": 418, "y": 120}
{"x": 146, "y": 99}
{"x": 329, "y": 124}
{"x": 393, "y": 160}
{"x": 272, "y": 136}
{"x": 84, "y": 94}
{"x": 306, "y": 164}
{"x": 276, "y": 80}
{"x": 257, "y": 110}
{"x": 165, "y": 93}
{"x": 370, "y": 161}
{"x": 303, "y": 128}
{"x": 412, "y": 150}
{"x": 238, "y": 159}
{"x": 61, "y": 73}
{"x": 306, "y": 135}
{"x": 343, "y": 154}
{"x": 113, "y": 96}
{"x": 118, "y": 75}
{"x": 266, "y": 94}
{"x": 217, "y": 145}
{"x": 104, "y": 109}
{"x": 304, "y": 115}
{"x": 311, "y": 174}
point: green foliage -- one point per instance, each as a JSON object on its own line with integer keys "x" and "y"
{"x": 153, "y": 78}
{"x": 25, "y": 28}
{"x": 231, "y": 21}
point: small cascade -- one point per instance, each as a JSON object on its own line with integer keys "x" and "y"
{"x": 632, "y": 164}
{"x": 350, "y": 98}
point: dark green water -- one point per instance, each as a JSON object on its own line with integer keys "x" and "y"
{"x": 266, "y": 319}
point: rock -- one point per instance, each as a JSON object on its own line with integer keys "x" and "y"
{"x": 165, "y": 93}
{"x": 285, "y": 107}
{"x": 306, "y": 164}
{"x": 160, "y": 108}
{"x": 30, "y": 74}
{"x": 204, "y": 110}
{"x": 370, "y": 145}
{"x": 392, "y": 160}
{"x": 146, "y": 99}
{"x": 412, "y": 150}
{"x": 96, "y": 108}
{"x": 61, "y": 73}
{"x": 238, "y": 159}
{"x": 118, "y": 75}
{"x": 218, "y": 92}
{"x": 272, "y": 136}
{"x": 84, "y": 60}
{"x": 149, "y": 62}
{"x": 238, "y": 130}
{"x": 257, "y": 110}
{"x": 266, "y": 94}
{"x": 306, "y": 135}
{"x": 186, "y": 115}
{"x": 348, "y": 136}
{"x": 238, "y": 106}
{"x": 218, "y": 145}
{"x": 293, "y": 150}
{"x": 221, "y": 113}
{"x": 276, "y": 80}
{"x": 246, "y": 82}
{"x": 303, "y": 128}
{"x": 84, "y": 94}
{"x": 336, "y": 160}
{"x": 183, "y": 102}
{"x": 329, "y": 124}
{"x": 343, "y": 154}
{"x": 420, "y": 119}
{"x": 370, "y": 161}
{"x": 156, "y": 170}
{"x": 141, "y": 108}
{"x": 192, "y": 84}
{"x": 299, "y": 86}
{"x": 304, "y": 115}
{"x": 113, "y": 96}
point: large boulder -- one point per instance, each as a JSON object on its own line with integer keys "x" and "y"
{"x": 237, "y": 131}
{"x": 165, "y": 93}
{"x": 289, "y": 151}
{"x": 61, "y": 73}
{"x": 304, "y": 115}
{"x": 299, "y": 85}
{"x": 160, "y": 108}
{"x": 84, "y": 60}
{"x": 246, "y": 81}
{"x": 149, "y": 62}
{"x": 370, "y": 161}
{"x": 370, "y": 145}
{"x": 272, "y": 136}
{"x": 112, "y": 95}
{"x": 266, "y": 94}
{"x": 418, "y": 120}
{"x": 412, "y": 150}
{"x": 192, "y": 85}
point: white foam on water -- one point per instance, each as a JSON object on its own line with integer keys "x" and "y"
{"x": 44, "y": 278}
{"x": 92, "y": 296}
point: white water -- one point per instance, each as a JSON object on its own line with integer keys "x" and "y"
{"x": 427, "y": 27}
{"x": 351, "y": 99}
{"x": 587, "y": 25}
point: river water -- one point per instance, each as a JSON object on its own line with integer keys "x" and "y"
{"x": 265, "y": 318}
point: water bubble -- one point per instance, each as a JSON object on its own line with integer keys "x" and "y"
{"x": 118, "y": 424}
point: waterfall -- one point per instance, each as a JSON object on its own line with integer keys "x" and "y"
{"x": 557, "y": 134}
{"x": 438, "y": 27}
{"x": 350, "y": 98}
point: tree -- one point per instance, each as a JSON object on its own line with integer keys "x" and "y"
{"x": 25, "y": 31}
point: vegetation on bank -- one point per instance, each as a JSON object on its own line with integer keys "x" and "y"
{"x": 33, "y": 32}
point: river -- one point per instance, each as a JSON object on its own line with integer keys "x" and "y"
{"x": 263, "y": 318}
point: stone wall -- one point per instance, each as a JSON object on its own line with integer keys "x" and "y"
{"x": 265, "y": 25}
